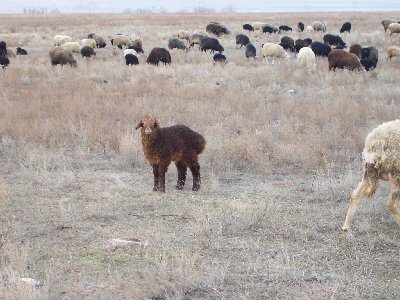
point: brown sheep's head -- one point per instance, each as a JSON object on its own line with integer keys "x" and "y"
{"x": 149, "y": 126}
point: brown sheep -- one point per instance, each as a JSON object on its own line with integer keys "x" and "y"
{"x": 341, "y": 59}
{"x": 60, "y": 56}
{"x": 176, "y": 143}
{"x": 393, "y": 51}
{"x": 159, "y": 54}
{"x": 356, "y": 49}
{"x": 386, "y": 22}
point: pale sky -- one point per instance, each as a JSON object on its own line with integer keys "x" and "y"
{"x": 118, "y": 6}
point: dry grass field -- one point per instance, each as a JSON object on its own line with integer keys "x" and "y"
{"x": 283, "y": 155}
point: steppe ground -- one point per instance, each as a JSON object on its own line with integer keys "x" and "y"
{"x": 283, "y": 155}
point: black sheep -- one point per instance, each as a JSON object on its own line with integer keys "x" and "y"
{"x": 334, "y": 40}
{"x": 248, "y": 27}
{"x": 87, "y": 51}
{"x": 345, "y": 27}
{"x": 300, "y": 26}
{"x": 250, "y": 51}
{"x": 159, "y": 54}
{"x": 284, "y": 28}
{"x": 21, "y": 51}
{"x": 242, "y": 40}
{"x": 299, "y": 43}
{"x": 287, "y": 43}
{"x": 177, "y": 143}
{"x": 217, "y": 29}
{"x": 269, "y": 29}
{"x": 320, "y": 49}
{"x": 370, "y": 53}
{"x": 4, "y": 61}
{"x": 368, "y": 64}
{"x": 218, "y": 57}
{"x": 212, "y": 44}
{"x": 131, "y": 60}
{"x": 3, "y": 48}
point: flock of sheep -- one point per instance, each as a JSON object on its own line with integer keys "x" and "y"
{"x": 182, "y": 145}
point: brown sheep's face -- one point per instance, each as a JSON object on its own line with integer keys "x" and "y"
{"x": 149, "y": 125}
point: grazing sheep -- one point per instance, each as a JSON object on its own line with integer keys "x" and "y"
{"x": 368, "y": 64}
{"x": 319, "y": 26}
{"x": 274, "y": 51}
{"x": 219, "y": 58}
{"x": 386, "y": 22}
{"x": 137, "y": 46}
{"x": 299, "y": 43}
{"x": 370, "y": 53}
{"x": 121, "y": 40}
{"x": 4, "y": 61}
{"x": 242, "y": 40}
{"x": 393, "y": 51}
{"x": 176, "y": 43}
{"x": 130, "y": 51}
{"x": 131, "y": 60}
{"x": 341, "y": 59}
{"x": 287, "y": 43}
{"x": 320, "y": 49}
{"x": 300, "y": 26}
{"x": 284, "y": 28}
{"x": 306, "y": 59}
{"x": 212, "y": 44}
{"x": 309, "y": 28}
{"x": 269, "y": 29}
{"x": 61, "y": 39}
{"x": 356, "y": 49}
{"x": 91, "y": 35}
{"x": 195, "y": 38}
{"x": 334, "y": 40}
{"x": 89, "y": 42}
{"x": 184, "y": 35}
{"x": 248, "y": 27}
{"x": 381, "y": 161}
{"x": 159, "y": 54}
{"x": 72, "y": 46}
{"x": 345, "y": 27}
{"x": 3, "y": 48}
{"x": 87, "y": 51}
{"x": 100, "y": 43}
{"x": 60, "y": 56}
{"x": 250, "y": 51}
{"x": 394, "y": 28}
{"x": 21, "y": 51}
{"x": 217, "y": 29}
{"x": 257, "y": 25}
{"x": 177, "y": 143}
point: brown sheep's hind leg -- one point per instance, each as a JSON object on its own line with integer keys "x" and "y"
{"x": 195, "y": 168}
{"x": 156, "y": 178}
{"x": 182, "y": 169}
{"x": 393, "y": 197}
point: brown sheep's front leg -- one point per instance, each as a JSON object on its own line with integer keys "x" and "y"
{"x": 195, "y": 168}
{"x": 156, "y": 178}
{"x": 182, "y": 169}
{"x": 162, "y": 169}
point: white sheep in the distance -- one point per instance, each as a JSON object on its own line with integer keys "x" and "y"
{"x": 130, "y": 51}
{"x": 184, "y": 35}
{"x": 61, "y": 39}
{"x": 394, "y": 28}
{"x": 72, "y": 46}
{"x": 121, "y": 40}
{"x": 274, "y": 51}
{"x": 89, "y": 42}
{"x": 381, "y": 158}
{"x": 306, "y": 58}
{"x": 393, "y": 51}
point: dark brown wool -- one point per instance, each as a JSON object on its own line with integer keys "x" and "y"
{"x": 176, "y": 143}
{"x": 356, "y": 49}
{"x": 343, "y": 60}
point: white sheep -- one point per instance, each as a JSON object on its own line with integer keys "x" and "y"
{"x": 306, "y": 58}
{"x": 72, "y": 46}
{"x": 130, "y": 51}
{"x": 394, "y": 28}
{"x": 121, "y": 40}
{"x": 319, "y": 26}
{"x": 393, "y": 51}
{"x": 274, "y": 51}
{"x": 381, "y": 158}
{"x": 89, "y": 42}
{"x": 61, "y": 39}
{"x": 184, "y": 35}
{"x": 309, "y": 28}
{"x": 257, "y": 25}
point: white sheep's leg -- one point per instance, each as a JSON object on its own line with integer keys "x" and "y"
{"x": 358, "y": 193}
{"x": 393, "y": 197}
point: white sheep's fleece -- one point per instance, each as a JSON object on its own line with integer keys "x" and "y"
{"x": 274, "y": 50}
{"x": 306, "y": 58}
{"x": 129, "y": 51}
{"x": 382, "y": 147}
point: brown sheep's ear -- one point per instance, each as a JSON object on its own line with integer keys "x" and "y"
{"x": 139, "y": 125}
